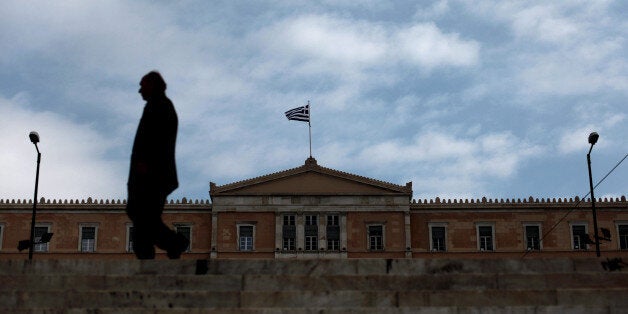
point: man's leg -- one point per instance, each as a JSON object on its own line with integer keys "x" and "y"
{"x": 164, "y": 237}
{"x": 143, "y": 242}
{"x": 145, "y": 211}
{"x": 139, "y": 211}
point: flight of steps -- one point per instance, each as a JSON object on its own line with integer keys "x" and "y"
{"x": 312, "y": 286}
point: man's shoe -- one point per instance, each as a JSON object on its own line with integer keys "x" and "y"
{"x": 180, "y": 246}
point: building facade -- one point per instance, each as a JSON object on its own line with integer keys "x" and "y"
{"x": 317, "y": 212}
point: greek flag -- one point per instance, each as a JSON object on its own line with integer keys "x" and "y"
{"x": 299, "y": 114}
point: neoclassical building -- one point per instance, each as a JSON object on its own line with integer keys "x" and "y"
{"x": 316, "y": 212}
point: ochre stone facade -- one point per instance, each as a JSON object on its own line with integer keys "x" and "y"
{"x": 316, "y": 212}
{"x": 554, "y": 219}
{"x": 110, "y": 221}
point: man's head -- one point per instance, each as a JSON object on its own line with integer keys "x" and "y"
{"x": 152, "y": 84}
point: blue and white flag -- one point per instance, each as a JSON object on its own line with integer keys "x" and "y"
{"x": 299, "y": 114}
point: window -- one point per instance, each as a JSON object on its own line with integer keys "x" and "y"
{"x": 245, "y": 237}
{"x": 579, "y": 236}
{"x": 186, "y": 231}
{"x": 129, "y": 238}
{"x": 311, "y": 232}
{"x": 289, "y": 232}
{"x": 622, "y": 231}
{"x": 438, "y": 238}
{"x": 333, "y": 233}
{"x": 310, "y": 243}
{"x": 376, "y": 237}
{"x": 485, "y": 237}
{"x": 39, "y": 232}
{"x": 532, "y": 237}
{"x": 87, "y": 234}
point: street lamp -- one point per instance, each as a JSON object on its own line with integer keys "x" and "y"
{"x": 35, "y": 139}
{"x": 593, "y": 137}
{"x": 45, "y": 237}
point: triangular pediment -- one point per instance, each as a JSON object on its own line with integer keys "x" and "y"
{"x": 311, "y": 179}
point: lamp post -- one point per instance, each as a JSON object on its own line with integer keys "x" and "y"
{"x": 34, "y": 137}
{"x": 593, "y": 137}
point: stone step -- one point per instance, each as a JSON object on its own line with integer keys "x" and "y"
{"x": 72, "y": 299}
{"x": 301, "y": 267}
{"x": 312, "y": 286}
{"x": 436, "y": 282}
{"x": 552, "y": 309}
{"x": 97, "y": 267}
{"x": 208, "y": 283}
{"x": 280, "y": 282}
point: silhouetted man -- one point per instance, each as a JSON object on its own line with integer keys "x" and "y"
{"x": 153, "y": 173}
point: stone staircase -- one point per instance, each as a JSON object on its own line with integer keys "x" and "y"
{"x": 312, "y": 286}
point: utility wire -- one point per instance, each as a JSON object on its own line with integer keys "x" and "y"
{"x": 576, "y": 206}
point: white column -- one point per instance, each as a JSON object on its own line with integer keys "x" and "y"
{"x": 214, "y": 236}
{"x": 278, "y": 234}
{"x": 343, "y": 235}
{"x": 322, "y": 231}
{"x": 300, "y": 221}
{"x": 408, "y": 235}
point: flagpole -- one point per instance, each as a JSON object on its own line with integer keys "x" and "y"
{"x": 302, "y": 114}
{"x": 310, "y": 125}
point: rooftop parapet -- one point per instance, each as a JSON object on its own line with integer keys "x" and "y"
{"x": 90, "y": 201}
{"x": 436, "y": 201}
{"x": 530, "y": 200}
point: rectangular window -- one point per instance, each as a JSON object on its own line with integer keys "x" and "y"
{"x": 622, "y": 231}
{"x": 485, "y": 238}
{"x": 311, "y": 243}
{"x": 438, "y": 236}
{"x": 289, "y": 244}
{"x": 186, "y": 231}
{"x": 245, "y": 237}
{"x": 311, "y": 220}
{"x": 579, "y": 236}
{"x": 39, "y": 232}
{"x": 333, "y": 233}
{"x": 289, "y": 231}
{"x": 376, "y": 237}
{"x": 129, "y": 237}
{"x": 533, "y": 237}
{"x": 88, "y": 238}
{"x": 289, "y": 220}
{"x": 311, "y": 232}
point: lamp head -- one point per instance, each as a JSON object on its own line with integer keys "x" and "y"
{"x": 34, "y": 137}
{"x": 593, "y": 138}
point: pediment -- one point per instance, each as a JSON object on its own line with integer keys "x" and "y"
{"x": 311, "y": 179}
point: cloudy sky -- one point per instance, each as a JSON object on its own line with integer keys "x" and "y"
{"x": 463, "y": 98}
